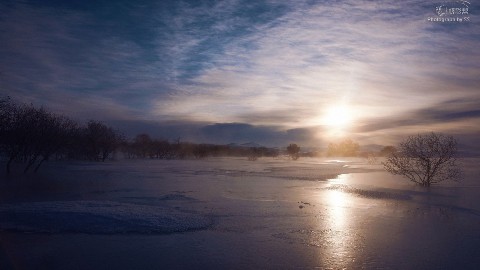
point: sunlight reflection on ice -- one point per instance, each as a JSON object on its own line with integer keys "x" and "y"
{"x": 338, "y": 222}
{"x": 340, "y": 240}
{"x": 337, "y": 200}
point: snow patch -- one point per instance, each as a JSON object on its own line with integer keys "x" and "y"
{"x": 97, "y": 217}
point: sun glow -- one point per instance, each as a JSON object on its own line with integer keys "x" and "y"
{"x": 338, "y": 117}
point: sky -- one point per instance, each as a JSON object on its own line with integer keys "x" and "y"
{"x": 268, "y": 71}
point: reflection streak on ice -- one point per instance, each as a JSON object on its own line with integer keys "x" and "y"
{"x": 339, "y": 237}
{"x": 336, "y": 210}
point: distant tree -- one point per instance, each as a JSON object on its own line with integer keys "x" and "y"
{"x": 143, "y": 145}
{"x": 272, "y": 152}
{"x": 22, "y": 136}
{"x": 293, "y": 151}
{"x": 254, "y": 153}
{"x": 101, "y": 140}
{"x": 182, "y": 150}
{"x": 387, "y": 151}
{"x": 128, "y": 149}
{"x": 53, "y": 133}
{"x": 200, "y": 151}
{"x": 161, "y": 149}
{"x": 345, "y": 148}
{"x": 11, "y": 139}
{"x": 5, "y": 116}
{"x": 425, "y": 159}
{"x": 371, "y": 157}
{"x": 179, "y": 150}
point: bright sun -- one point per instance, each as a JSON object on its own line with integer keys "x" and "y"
{"x": 338, "y": 117}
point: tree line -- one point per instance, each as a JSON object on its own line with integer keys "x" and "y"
{"x": 143, "y": 146}
{"x": 31, "y": 136}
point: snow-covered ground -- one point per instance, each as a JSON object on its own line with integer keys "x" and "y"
{"x": 230, "y": 213}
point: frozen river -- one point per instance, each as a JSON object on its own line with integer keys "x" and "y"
{"x": 230, "y": 213}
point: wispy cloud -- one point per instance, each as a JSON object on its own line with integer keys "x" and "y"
{"x": 54, "y": 55}
{"x": 448, "y": 113}
{"x": 266, "y": 63}
{"x": 373, "y": 55}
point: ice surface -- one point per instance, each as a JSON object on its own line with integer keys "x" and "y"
{"x": 372, "y": 194}
{"x": 230, "y": 213}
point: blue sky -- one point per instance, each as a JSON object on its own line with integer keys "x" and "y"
{"x": 265, "y": 71}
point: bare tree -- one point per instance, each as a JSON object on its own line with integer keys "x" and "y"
{"x": 293, "y": 151}
{"x": 31, "y": 135}
{"x": 425, "y": 159}
{"x": 18, "y": 136}
{"x": 57, "y": 134}
{"x": 143, "y": 145}
{"x": 101, "y": 140}
{"x": 8, "y": 147}
{"x": 45, "y": 132}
